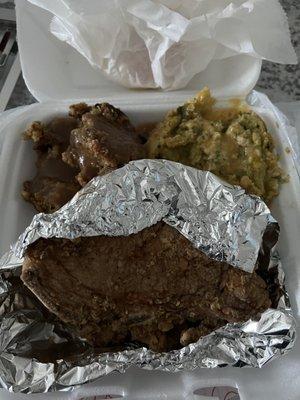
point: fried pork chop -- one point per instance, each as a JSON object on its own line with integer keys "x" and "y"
{"x": 152, "y": 287}
{"x": 91, "y": 141}
{"x": 104, "y": 141}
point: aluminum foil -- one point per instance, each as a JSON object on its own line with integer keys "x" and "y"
{"x": 220, "y": 219}
{"x": 39, "y": 354}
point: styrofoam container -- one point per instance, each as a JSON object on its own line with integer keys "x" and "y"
{"x": 52, "y": 68}
{"x": 277, "y": 380}
{"x": 55, "y": 72}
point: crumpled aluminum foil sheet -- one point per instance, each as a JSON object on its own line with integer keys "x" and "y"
{"x": 39, "y": 354}
{"x": 221, "y": 220}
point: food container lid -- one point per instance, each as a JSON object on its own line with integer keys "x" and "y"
{"x": 53, "y": 70}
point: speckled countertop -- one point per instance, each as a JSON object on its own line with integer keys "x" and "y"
{"x": 280, "y": 82}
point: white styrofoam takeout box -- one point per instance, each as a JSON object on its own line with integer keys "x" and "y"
{"x": 54, "y": 71}
{"x": 277, "y": 379}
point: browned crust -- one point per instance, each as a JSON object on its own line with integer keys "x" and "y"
{"x": 152, "y": 287}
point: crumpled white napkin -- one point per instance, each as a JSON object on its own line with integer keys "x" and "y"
{"x": 164, "y": 43}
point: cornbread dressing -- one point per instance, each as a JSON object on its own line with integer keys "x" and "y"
{"x": 233, "y": 143}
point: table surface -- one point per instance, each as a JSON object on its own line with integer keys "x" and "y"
{"x": 280, "y": 82}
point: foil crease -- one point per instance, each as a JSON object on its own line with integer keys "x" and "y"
{"x": 39, "y": 354}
